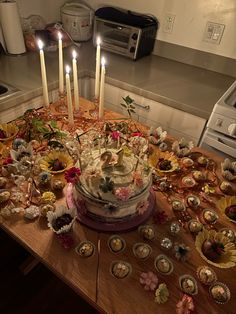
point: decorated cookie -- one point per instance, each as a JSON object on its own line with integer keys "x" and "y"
{"x": 177, "y": 205}
{"x": 209, "y": 216}
{"x": 193, "y": 201}
{"x": 163, "y": 265}
{"x": 229, "y": 233}
{"x": 226, "y": 187}
{"x": 45, "y": 208}
{"x": 116, "y": 244}
{"x": 147, "y": 232}
{"x": 206, "y": 275}
{"x": 120, "y": 269}
{"x": 194, "y": 226}
{"x": 142, "y": 250}
{"x": 188, "y": 182}
{"x": 188, "y": 284}
{"x": 187, "y": 162}
{"x": 32, "y": 212}
{"x": 203, "y": 160}
{"x": 85, "y": 249}
{"x": 220, "y": 292}
{"x": 199, "y": 175}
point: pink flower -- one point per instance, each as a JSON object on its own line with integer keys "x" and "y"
{"x": 72, "y": 175}
{"x": 185, "y": 306}
{"x": 138, "y": 181}
{"x": 66, "y": 240}
{"x": 149, "y": 280}
{"x": 142, "y": 207}
{"x": 115, "y": 135}
{"x": 123, "y": 193}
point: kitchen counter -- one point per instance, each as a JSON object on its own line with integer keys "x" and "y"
{"x": 184, "y": 87}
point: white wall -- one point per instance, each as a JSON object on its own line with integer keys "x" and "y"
{"x": 190, "y": 21}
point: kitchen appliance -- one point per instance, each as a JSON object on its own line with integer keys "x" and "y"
{"x": 11, "y": 28}
{"x": 124, "y": 32}
{"x": 77, "y": 20}
{"x": 220, "y": 134}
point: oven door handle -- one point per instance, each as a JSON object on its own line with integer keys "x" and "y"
{"x": 220, "y": 145}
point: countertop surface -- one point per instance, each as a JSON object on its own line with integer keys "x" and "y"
{"x": 188, "y": 88}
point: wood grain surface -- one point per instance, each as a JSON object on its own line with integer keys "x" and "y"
{"x": 92, "y": 279}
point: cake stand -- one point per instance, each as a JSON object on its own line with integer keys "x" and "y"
{"x": 120, "y": 226}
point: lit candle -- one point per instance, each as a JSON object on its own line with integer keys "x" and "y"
{"x": 102, "y": 87}
{"x": 69, "y": 98}
{"x": 43, "y": 74}
{"x": 61, "y": 77}
{"x": 75, "y": 79}
{"x": 97, "y": 74}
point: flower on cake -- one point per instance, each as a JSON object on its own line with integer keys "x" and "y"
{"x": 142, "y": 207}
{"x": 123, "y": 193}
{"x": 72, "y": 175}
{"x": 149, "y": 280}
{"x": 138, "y": 181}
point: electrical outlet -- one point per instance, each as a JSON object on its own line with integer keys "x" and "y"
{"x": 168, "y": 24}
{"x": 213, "y": 32}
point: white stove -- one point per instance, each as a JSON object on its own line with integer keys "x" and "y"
{"x": 220, "y": 134}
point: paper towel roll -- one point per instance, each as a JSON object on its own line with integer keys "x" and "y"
{"x": 11, "y": 27}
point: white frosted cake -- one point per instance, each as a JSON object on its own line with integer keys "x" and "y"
{"x": 113, "y": 186}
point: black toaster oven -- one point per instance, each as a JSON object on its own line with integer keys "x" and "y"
{"x": 124, "y": 32}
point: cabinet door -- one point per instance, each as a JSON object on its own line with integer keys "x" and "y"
{"x": 153, "y": 113}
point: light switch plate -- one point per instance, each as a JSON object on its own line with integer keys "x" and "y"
{"x": 213, "y": 32}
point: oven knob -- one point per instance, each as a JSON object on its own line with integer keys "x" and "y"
{"x": 232, "y": 129}
{"x": 219, "y": 122}
{"x": 132, "y": 49}
{"x": 135, "y": 36}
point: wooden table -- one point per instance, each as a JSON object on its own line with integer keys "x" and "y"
{"x": 91, "y": 277}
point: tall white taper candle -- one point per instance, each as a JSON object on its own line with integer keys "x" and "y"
{"x": 43, "y": 74}
{"x": 75, "y": 80}
{"x": 97, "y": 74}
{"x": 68, "y": 95}
{"x": 102, "y": 87}
{"x": 60, "y": 52}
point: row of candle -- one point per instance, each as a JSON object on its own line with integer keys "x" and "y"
{"x": 99, "y": 85}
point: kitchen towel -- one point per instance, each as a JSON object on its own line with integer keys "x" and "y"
{"x": 11, "y": 27}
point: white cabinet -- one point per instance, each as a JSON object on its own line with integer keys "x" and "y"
{"x": 174, "y": 121}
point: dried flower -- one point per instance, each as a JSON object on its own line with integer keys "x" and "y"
{"x": 161, "y": 294}
{"x": 149, "y": 280}
{"x": 72, "y": 175}
{"x": 115, "y": 135}
{"x": 48, "y": 197}
{"x": 160, "y": 217}
{"x": 185, "y": 306}
{"x": 142, "y": 207}
{"x": 65, "y": 240}
{"x": 181, "y": 252}
{"x": 123, "y": 193}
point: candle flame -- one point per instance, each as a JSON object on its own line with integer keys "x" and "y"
{"x": 74, "y": 54}
{"x": 67, "y": 69}
{"x": 103, "y": 61}
{"x": 98, "y": 41}
{"x": 40, "y": 44}
{"x": 59, "y": 35}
